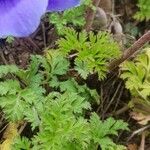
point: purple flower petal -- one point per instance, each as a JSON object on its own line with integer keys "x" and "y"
{"x": 20, "y": 17}
{"x": 60, "y": 5}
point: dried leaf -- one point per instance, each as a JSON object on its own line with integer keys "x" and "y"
{"x": 141, "y": 118}
{"x": 132, "y": 146}
{"x": 10, "y": 133}
{"x": 6, "y": 145}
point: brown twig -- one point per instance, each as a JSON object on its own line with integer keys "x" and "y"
{"x": 113, "y": 97}
{"x": 3, "y": 58}
{"x": 130, "y": 51}
{"x": 118, "y": 112}
{"x": 90, "y": 15}
{"x": 22, "y": 127}
{"x": 138, "y": 131}
{"x": 142, "y": 146}
{"x": 121, "y": 110}
{"x": 44, "y": 35}
{"x": 30, "y": 40}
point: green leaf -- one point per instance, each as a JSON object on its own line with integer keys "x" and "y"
{"x": 143, "y": 13}
{"x": 137, "y": 75}
{"x": 21, "y": 143}
{"x": 9, "y": 87}
{"x": 101, "y": 130}
{"x": 94, "y": 52}
{"x": 5, "y": 69}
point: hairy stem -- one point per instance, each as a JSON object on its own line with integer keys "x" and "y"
{"x": 130, "y": 51}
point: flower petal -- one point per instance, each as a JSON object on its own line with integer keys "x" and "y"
{"x": 20, "y": 17}
{"x": 60, "y": 5}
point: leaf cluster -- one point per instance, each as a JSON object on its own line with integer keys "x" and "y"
{"x": 94, "y": 52}
{"x": 55, "y": 105}
{"x": 62, "y": 130}
{"x": 137, "y": 77}
{"x": 73, "y": 16}
{"x": 144, "y": 10}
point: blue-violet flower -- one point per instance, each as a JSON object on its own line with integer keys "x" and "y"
{"x": 20, "y": 18}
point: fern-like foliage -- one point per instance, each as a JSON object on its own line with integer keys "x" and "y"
{"x": 5, "y": 69}
{"x": 61, "y": 124}
{"x": 17, "y": 102}
{"x": 94, "y": 52}
{"x": 74, "y": 16}
{"x": 55, "y": 104}
{"x": 100, "y": 131}
{"x": 62, "y": 130}
{"x": 143, "y": 13}
{"x": 137, "y": 77}
{"x": 21, "y": 143}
